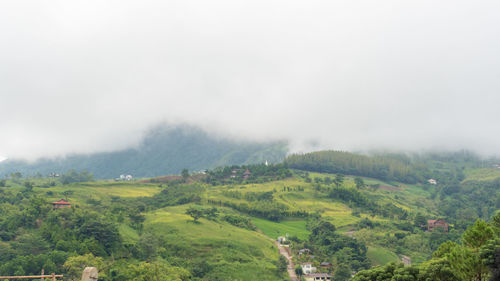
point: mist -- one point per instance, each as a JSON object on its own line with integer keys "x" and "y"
{"x": 91, "y": 76}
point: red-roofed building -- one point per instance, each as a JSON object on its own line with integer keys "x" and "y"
{"x": 431, "y": 224}
{"x": 61, "y": 204}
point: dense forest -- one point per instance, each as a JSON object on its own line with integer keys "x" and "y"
{"x": 380, "y": 167}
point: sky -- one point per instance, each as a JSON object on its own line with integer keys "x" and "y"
{"x": 90, "y": 76}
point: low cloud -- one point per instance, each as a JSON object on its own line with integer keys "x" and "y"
{"x": 82, "y": 77}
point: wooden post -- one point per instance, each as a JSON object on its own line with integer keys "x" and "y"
{"x": 43, "y": 273}
{"x": 53, "y": 277}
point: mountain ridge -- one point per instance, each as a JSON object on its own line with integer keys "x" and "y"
{"x": 165, "y": 150}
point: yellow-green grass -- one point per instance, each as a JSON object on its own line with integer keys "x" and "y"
{"x": 100, "y": 190}
{"x": 485, "y": 174}
{"x": 275, "y": 229}
{"x": 380, "y": 256}
{"x": 238, "y": 253}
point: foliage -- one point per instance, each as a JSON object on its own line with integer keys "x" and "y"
{"x": 381, "y": 167}
{"x": 247, "y": 173}
{"x": 75, "y": 265}
{"x": 239, "y": 221}
{"x": 282, "y": 264}
{"x": 73, "y": 176}
{"x": 158, "y": 270}
{"x": 195, "y": 213}
{"x": 345, "y": 250}
{"x": 475, "y": 260}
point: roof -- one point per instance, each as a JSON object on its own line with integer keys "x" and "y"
{"x": 306, "y": 263}
{"x": 325, "y": 263}
{"x": 61, "y": 202}
{"x": 434, "y": 221}
{"x": 318, "y": 275}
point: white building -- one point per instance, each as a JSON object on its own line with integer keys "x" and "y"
{"x": 307, "y": 268}
{"x": 318, "y": 277}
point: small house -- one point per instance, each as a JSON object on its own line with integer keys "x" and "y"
{"x": 307, "y": 268}
{"x": 61, "y": 204}
{"x": 318, "y": 277}
{"x": 431, "y": 224}
{"x": 432, "y": 181}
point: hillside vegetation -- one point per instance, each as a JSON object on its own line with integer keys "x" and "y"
{"x": 220, "y": 225}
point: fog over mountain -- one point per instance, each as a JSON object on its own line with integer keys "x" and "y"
{"x": 164, "y": 150}
{"x": 95, "y": 76}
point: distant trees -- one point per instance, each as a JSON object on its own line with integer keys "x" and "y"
{"x": 185, "y": 174}
{"x": 380, "y": 166}
{"x": 339, "y": 180}
{"x": 247, "y": 173}
{"x": 73, "y": 176}
{"x": 359, "y": 182}
{"x": 16, "y": 175}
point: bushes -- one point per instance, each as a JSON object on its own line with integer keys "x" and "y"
{"x": 72, "y": 176}
{"x": 239, "y": 221}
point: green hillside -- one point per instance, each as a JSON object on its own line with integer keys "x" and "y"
{"x": 220, "y": 225}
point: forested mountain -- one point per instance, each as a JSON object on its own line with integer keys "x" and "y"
{"x": 163, "y": 151}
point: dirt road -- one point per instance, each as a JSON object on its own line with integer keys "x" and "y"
{"x": 291, "y": 267}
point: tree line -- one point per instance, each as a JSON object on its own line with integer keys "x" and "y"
{"x": 380, "y": 167}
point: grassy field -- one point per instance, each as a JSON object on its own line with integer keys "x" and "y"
{"x": 380, "y": 256}
{"x": 78, "y": 193}
{"x": 274, "y": 229}
{"x": 236, "y": 253}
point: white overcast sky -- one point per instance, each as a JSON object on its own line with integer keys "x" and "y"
{"x": 86, "y": 76}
